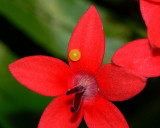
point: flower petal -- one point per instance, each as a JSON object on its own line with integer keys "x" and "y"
{"x": 154, "y": 29}
{"x": 118, "y": 84}
{"x": 147, "y": 8}
{"x": 103, "y": 114}
{"x": 137, "y": 56}
{"x": 58, "y": 114}
{"x": 42, "y": 74}
{"x": 88, "y": 38}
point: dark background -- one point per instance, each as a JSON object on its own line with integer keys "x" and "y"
{"x": 33, "y": 27}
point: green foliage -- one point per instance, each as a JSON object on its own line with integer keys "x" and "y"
{"x": 50, "y": 23}
{"x": 14, "y": 98}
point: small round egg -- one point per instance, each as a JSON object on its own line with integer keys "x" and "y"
{"x": 74, "y": 54}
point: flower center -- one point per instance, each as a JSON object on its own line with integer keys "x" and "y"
{"x": 85, "y": 88}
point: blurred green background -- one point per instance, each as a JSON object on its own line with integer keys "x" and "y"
{"x": 32, "y": 27}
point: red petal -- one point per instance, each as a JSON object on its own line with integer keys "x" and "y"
{"x": 147, "y": 9}
{"x": 88, "y": 38}
{"x": 157, "y": 1}
{"x": 58, "y": 114}
{"x": 137, "y": 56}
{"x": 42, "y": 74}
{"x": 118, "y": 84}
{"x": 103, "y": 114}
{"x": 154, "y": 29}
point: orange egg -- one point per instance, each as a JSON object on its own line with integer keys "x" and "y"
{"x": 74, "y": 54}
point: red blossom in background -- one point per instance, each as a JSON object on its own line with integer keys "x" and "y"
{"x": 142, "y": 56}
{"x": 93, "y": 85}
{"x": 138, "y": 56}
{"x": 150, "y": 10}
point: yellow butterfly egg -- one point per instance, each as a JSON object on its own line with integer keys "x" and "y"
{"x": 74, "y": 54}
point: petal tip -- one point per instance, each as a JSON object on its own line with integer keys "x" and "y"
{"x": 88, "y": 37}
{"x": 11, "y": 68}
{"x": 92, "y": 7}
{"x": 92, "y": 10}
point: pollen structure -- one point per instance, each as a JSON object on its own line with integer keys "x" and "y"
{"x": 74, "y": 54}
{"x": 85, "y": 87}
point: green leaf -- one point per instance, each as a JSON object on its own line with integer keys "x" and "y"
{"x": 112, "y": 44}
{"x": 50, "y": 22}
{"x": 13, "y": 96}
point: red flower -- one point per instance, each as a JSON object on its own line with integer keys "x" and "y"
{"x": 150, "y": 10}
{"x": 138, "y": 56}
{"x": 93, "y": 86}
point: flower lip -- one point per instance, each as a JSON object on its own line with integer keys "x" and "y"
{"x": 85, "y": 87}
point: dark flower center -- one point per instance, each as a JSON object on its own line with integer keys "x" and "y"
{"x": 85, "y": 88}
